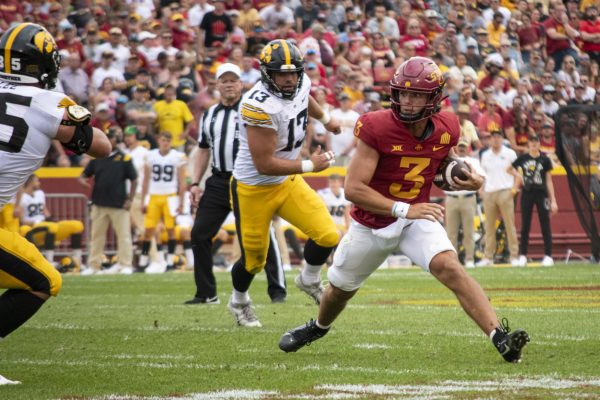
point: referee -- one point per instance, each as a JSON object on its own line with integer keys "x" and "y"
{"x": 219, "y": 132}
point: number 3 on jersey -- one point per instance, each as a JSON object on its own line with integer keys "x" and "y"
{"x": 416, "y": 165}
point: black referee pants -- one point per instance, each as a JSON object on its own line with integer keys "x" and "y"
{"x": 539, "y": 198}
{"x": 212, "y": 211}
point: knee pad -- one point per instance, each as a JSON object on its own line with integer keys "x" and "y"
{"x": 315, "y": 254}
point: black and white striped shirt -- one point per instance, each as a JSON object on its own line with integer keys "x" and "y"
{"x": 219, "y": 130}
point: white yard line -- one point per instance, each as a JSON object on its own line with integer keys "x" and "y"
{"x": 544, "y": 338}
{"x": 439, "y": 390}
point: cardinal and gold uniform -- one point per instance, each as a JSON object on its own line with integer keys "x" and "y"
{"x": 34, "y": 206}
{"x": 405, "y": 172}
{"x": 29, "y": 119}
{"x": 256, "y": 197}
{"x": 163, "y": 186}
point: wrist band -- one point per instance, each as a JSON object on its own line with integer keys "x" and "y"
{"x": 325, "y": 118}
{"x": 400, "y": 209}
{"x": 194, "y": 184}
{"x": 307, "y": 166}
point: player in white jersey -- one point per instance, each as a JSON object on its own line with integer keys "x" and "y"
{"x": 43, "y": 233}
{"x": 266, "y": 176}
{"x": 164, "y": 183}
{"x": 30, "y": 118}
{"x": 335, "y": 200}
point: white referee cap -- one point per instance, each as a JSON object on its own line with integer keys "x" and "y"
{"x": 228, "y": 67}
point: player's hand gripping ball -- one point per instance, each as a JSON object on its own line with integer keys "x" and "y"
{"x": 449, "y": 168}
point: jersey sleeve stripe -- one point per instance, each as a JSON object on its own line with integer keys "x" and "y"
{"x": 254, "y": 108}
{"x": 260, "y": 116}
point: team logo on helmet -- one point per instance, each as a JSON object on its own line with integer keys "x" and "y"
{"x": 265, "y": 55}
{"x": 417, "y": 75}
{"x": 44, "y": 42}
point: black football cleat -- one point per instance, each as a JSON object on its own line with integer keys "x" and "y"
{"x": 509, "y": 344}
{"x": 301, "y": 336}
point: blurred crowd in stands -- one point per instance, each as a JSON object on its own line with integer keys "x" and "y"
{"x": 509, "y": 65}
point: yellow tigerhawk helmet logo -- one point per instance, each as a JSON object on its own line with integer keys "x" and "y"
{"x": 44, "y": 42}
{"x": 265, "y": 55}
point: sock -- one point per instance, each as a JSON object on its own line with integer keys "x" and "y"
{"x": 189, "y": 255}
{"x": 77, "y": 255}
{"x": 310, "y": 273}
{"x": 240, "y": 278}
{"x": 49, "y": 254}
{"x": 324, "y": 327}
{"x": 160, "y": 254}
{"x": 171, "y": 244}
{"x": 143, "y": 261}
{"x": 240, "y": 297}
{"x": 145, "y": 247}
{"x": 16, "y": 307}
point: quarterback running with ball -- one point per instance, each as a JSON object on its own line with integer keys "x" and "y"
{"x": 388, "y": 181}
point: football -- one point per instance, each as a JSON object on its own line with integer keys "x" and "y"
{"x": 449, "y": 168}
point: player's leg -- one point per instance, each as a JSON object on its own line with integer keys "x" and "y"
{"x": 357, "y": 256}
{"x": 274, "y": 269}
{"x": 211, "y": 213}
{"x": 169, "y": 221}
{"x": 72, "y": 229}
{"x": 304, "y": 209}
{"x": 427, "y": 245}
{"x": 151, "y": 219}
{"x": 29, "y": 278}
{"x": 253, "y": 220}
{"x": 8, "y": 221}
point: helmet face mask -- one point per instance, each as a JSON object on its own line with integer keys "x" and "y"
{"x": 281, "y": 56}
{"x": 29, "y": 56}
{"x": 417, "y": 75}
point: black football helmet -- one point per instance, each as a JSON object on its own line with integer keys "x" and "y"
{"x": 281, "y": 56}
{"x": 28, "y": 54}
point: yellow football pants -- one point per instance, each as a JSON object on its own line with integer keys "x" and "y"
{"x": 293, "y": 200}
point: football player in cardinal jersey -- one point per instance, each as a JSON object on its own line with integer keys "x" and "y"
{"x": 31, "y": 116}
{"x": 388, "y": 181}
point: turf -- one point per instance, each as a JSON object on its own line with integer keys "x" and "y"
{"x": 403, "y": 336}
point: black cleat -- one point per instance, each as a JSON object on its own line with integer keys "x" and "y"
{"x": 204, "y": 300}
{"x": 303, "y": 335}
{"x": 509, "y": 344}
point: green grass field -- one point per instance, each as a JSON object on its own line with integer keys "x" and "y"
{"x": 403, "y": 336}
